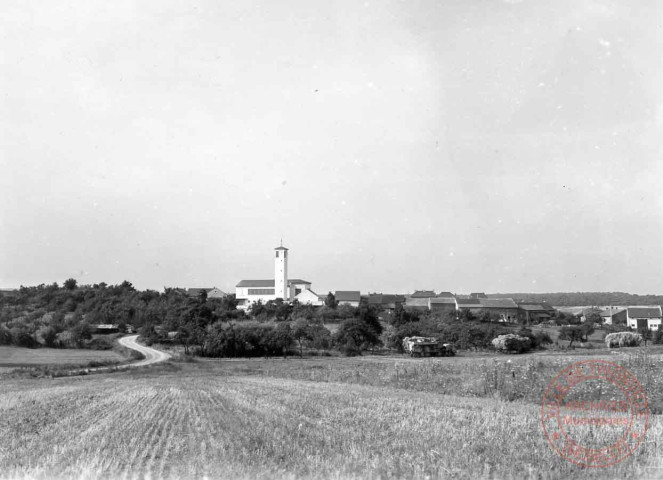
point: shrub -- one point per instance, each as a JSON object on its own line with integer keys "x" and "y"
{"x": 538, "y": 339}
{"x": 23, "y": 338}
{"x": 623, "y": 339}
{"x": 512, "y": 343}
{"x": 5, "y": 336}
{"x": 99, "y": 344}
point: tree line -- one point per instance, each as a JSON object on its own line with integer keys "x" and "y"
{"x": 568, "y": 299}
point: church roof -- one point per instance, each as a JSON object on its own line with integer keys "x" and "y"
{"x": 268, "y": 283}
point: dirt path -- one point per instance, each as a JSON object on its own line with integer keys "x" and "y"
{"x": 151, "y": 355}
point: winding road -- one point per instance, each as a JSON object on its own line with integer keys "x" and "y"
{"x": 151, "y": 355}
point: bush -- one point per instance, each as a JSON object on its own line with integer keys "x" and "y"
{"x": 99, "y": 344}
{"x": 5, "y": 336}
{"x": 512, "y": 343}
{"x": 538, "y": 339}
{"x": 247, "y": 340}
{"x": 623, "y": 339}
{"x": 23, "y": 338}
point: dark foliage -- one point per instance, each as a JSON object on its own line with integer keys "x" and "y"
{"x": 563, "y": 299}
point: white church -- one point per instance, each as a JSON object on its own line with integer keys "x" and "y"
{"x": 250, "y": 291}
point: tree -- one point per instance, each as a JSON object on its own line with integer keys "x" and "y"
{"x": 368, "y": 314}
{"x": 49, "y": 335}
{"x": 257, "y": 308}
{"x": 587, "y": 328}
{"x": 202, "y": 296}
{"x": 281, "y": 338}
{"x": 80, "y": 333}
{"x": 573, "y": 334}
{"x": 646, "y": 334}
{"x": 401, "y": 316}
{"x": 353, "y": 334}
{"x": 319, "y": 337}
{"x": 5, "y": 336}
{"x": 300, "y": 332}
{"x": 70, "y": 284}
{"x": 330, "y": 301}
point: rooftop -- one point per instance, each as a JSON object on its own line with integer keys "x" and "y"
{"x": 268, "y": 283}
{"x": 347, "y": 295}
{"x": 644, "y": 312}
{"x": 423, "y": 294}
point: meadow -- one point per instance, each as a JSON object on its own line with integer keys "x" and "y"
{"x": 368, "y": 417}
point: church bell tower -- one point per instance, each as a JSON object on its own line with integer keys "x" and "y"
{"x": 281, "y": 289}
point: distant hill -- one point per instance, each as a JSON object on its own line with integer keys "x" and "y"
{"x": 568, "y": 299}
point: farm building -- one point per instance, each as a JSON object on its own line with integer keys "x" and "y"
{"x": 442, "y": 304}
{"x": 418, "y": 303}
{"x": 105, "y": 328}
{"x": 534, "y": 312}
{"x": 212, "y": 292}
{"x": 614, "y": 315}
{"x": 386, "y": 302}
{"x": 644, "y": 317}
{"x": 308, "y": 296}
{"x": 423, "y": 294}
{"x": 348, "y": 297}
{"x": 505, "y": 308}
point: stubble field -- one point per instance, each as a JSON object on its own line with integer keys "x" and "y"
{"x": 13, "y": 357}
{"x": 239, "y": 420}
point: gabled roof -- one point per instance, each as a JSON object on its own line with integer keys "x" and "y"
{"x": 469, "y": 302}
{"x": 446, "y": 295}
{"x": 497, "y": 303}
{"x": 417, "y": 302}
{"x": 534, "y": 307}
{"x": 443, "y": 300}
{"x": 256, "y": 283}
{"x": 423, "y": 294}
{"x": 608, "y": 312}
{"x": 478, "y": 295}
{"x": 384, "y": 299}
{"x": 347, "y": 295}
{"x": 644, "y": 312}
{"x": 307, "y": 293}
{"x": 268, "y": 283}
{"x": 194, "y": 292}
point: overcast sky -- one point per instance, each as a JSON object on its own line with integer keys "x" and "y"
{"x": 461, "y": 145}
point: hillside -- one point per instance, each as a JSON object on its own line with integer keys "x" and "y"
{"x": 568, "y": 299}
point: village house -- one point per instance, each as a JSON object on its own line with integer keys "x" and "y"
{"x": 613, "y": 315}
{"x": 348, "y": 297}
{"x": 443, "y": 304}
{"x": 212, "y": 292}
{"x": 386, "y": 303}
{"x": 644, "y": 317}
{"x": 505, "y": 309}
{"x": 533, "y": 312}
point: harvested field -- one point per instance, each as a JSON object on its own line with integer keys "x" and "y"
{"x": 196, "y": 420}
{"x": 13, "y": 357}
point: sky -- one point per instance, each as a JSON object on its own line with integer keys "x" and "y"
{"x": 451, "y": 145}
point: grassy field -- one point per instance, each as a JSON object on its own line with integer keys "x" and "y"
{"x": 14, "y": 357}
{"x": 371, "y": 417}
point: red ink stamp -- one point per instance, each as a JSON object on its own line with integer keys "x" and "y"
{"x": 595, "y": 413}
